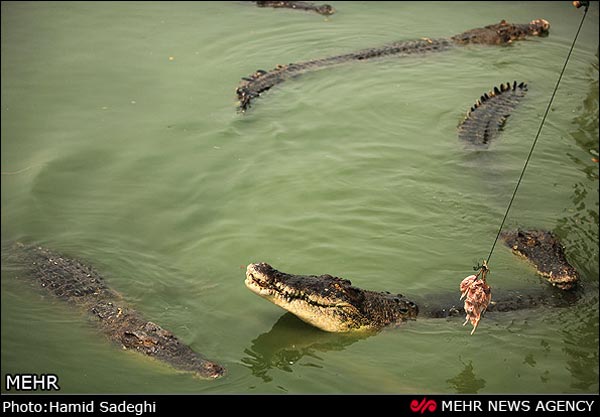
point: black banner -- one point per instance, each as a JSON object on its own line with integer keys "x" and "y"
{"x": 417, "y": 404}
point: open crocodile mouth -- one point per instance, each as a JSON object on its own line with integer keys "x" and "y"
{"x": 329, "y": 303}
{"x": 285, "y": 293}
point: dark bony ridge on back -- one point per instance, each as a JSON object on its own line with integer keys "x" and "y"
{"x": 329, "y": 303}
{"x": 502, "y": 33}
{"x": 333, "y": 304}
{"x": 80, "y": 285}
{"x": 324, "y": 9}
{"x": 489, "y": 113}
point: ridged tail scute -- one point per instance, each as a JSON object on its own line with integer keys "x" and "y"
{"x": 251, "y": 87}
{"x": 488, "y": 115}
{"x": 502, "y": 33}
{"x": 83, "y": 287}
{"x": 324, "y": 9}
{"x": 254, "y": 85}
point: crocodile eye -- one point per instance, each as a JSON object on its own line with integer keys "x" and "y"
{"x": 403, "y": 310}
{"x": 411, "y": 304}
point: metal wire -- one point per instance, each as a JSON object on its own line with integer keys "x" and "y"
{"x": 537, "y": 135}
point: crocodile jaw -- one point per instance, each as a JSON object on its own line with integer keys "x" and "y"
{"x": 317, "y": 311}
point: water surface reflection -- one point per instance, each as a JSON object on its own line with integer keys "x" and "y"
{"x": 288, "y": 341}
{"x": 466, "y": 382}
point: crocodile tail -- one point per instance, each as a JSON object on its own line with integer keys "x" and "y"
{"x": 252, "y": 86}
{"x": 324, "y": 9}
{"x": 488, "y": 115}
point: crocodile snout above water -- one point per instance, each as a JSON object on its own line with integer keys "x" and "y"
{"x": 333, "y": 304}
{"x": 324, "y": 9}
{"x": 502, "y": 33}
{"x": 543, "y": 249}
{"x": 329, "y": 303}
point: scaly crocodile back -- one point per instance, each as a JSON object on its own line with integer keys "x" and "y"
{"x": 251, "y": 87}
{"x": 81, "y": 285}
{"x": 324, "y": 9}
{"x": 488, "y": 115}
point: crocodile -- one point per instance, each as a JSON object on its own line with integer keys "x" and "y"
{"x": 489, "y": 113}
{"x": 502, "y": 33}
{"x": 324, "y": 9}
{"x": 83, "y": 287}
{"x": 329, "y": 303}
{"x": 333, "y": 304}
{"x": 543, "y": 249}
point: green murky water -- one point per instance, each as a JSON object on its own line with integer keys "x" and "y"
{"x": 121, "y": 146}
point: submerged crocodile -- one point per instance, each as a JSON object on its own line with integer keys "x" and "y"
{"x": 502, "y": 33}
{"x": 324, "y": 9}
{"x": 543, "y": 249}
{"x": 80, "y": 285}
{"x": 333, "y": 304}
{"x": 488, "y": 115}
{"x": 326, "y": 302}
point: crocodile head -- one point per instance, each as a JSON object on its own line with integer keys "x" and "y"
{"x": 539, "y": 27}
{"x": 329, "y": 303}
{"x": 543, "y": 249}
{"x": 503, "y": 33}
